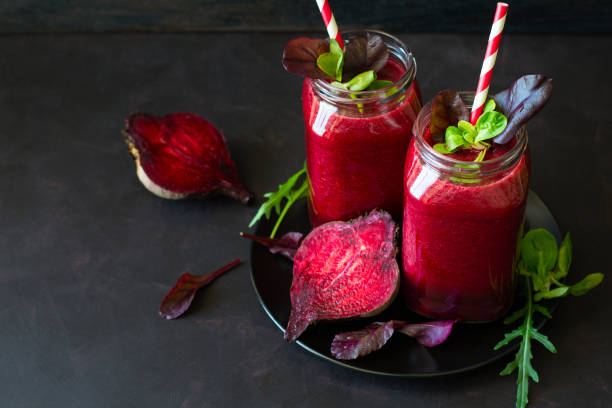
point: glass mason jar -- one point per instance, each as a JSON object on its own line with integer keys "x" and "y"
{"x": 356, "y": 141}
{"x": 462, "y": 223}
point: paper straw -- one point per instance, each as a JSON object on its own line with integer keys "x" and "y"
{"x": 489, "y": 61}
{"x": 330, "y": 21}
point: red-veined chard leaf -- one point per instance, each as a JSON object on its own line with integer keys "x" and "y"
{"x": 351, "y": 345}
{"x": 300, "y": 56}
{"x": 287, "y": 245}
{"x": 521, "y": 102}
{"x": 361, "y": 53}
{"x": 447, "y": 109}
{"x": 364, "y": 53}
{"x": 178, "y": 300}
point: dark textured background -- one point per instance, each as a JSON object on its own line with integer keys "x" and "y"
{"x": 584, "y": 16}
{"x": 87, "y": 253}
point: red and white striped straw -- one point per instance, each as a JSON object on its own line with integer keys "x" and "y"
{"x": 330, "y": 21}
{"x": 489, "y": 61}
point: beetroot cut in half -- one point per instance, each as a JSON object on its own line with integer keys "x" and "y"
{"x": 182, "y": 155}
{"x": 343, "y": 270}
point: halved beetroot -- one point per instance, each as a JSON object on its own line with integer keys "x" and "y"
{"x": 343, "y": 270}
{"x": 182, "y": 155}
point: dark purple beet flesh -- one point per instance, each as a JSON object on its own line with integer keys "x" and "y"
{"x": 181, "y": 155}
{"x": 343, "y": 270}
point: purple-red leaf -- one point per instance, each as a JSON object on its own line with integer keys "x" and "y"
{"x": 364, "y": 53}
{"x": 350, "y": 345}
{"x": 287, "y": 245}
{"x": 447, "y": 109}
{"x": 521, "y": 102}
{"x": 428, "y": 334}
{"x": 300, "y": 56}
{"x": 178, "y": 300}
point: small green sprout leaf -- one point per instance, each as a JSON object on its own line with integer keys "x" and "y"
{"x": 361, "y": 81}
{"x": 379, "y": 84}
{"x": 586, "y": 284}
{"x": 565, "y": 257}
{"x": 551, "y": 294}
{"x": 489, "y": 106}
{"x": 441, "y": 148}
{"x": 539, "y": 241}
{"x": 467, "y": 136}
{"x": 489, "y": 125}
{"x": 331, "y": 62}
{"x": 454, "y": 138}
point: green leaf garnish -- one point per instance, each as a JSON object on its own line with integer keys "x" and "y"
{"x": 586, "y": 284}
{"x": 361, "y": 81}
{"x": 379, "y": 84}
{"x": 454, "y": 138}
{"x": 565, "y": 257}
{"x": 467, "y": 136}
{"x": 331, "y": 62}
{"x": 539, "y": 255}
{"x": 468, "y": 130}
{"x": 286, "y": 191}
{"x": 481, "y": 155}
{"x": 489, "y": 125}
{"x": 441, "y": 148}
{"x": 539, "y": 242}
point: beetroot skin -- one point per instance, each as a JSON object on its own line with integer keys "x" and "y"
{"x": 182, "y": 155}
{"x": 343, "y": 270}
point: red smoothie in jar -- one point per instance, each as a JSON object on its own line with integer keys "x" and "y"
{"x": 355, "y": 147}
{"x": 461, "y": 227}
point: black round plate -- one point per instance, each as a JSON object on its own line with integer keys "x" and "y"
{"x": 469, "y": 346}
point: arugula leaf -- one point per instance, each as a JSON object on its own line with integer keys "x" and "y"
{"x": 539, "y": 254}
{"x": 286, "y": 191}
{"x": 523, "y": 357}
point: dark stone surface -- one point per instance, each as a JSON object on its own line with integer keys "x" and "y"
{"x": 88, "y": 254}
{"x": 586, "y": 16}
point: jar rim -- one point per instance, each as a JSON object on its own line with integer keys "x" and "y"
{"x": 399, "y": 50}
{"x": 466, "y": 169}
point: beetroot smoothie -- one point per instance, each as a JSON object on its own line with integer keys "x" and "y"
{"x": 356, "y": 141}
{"x": 461, "y": 227}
